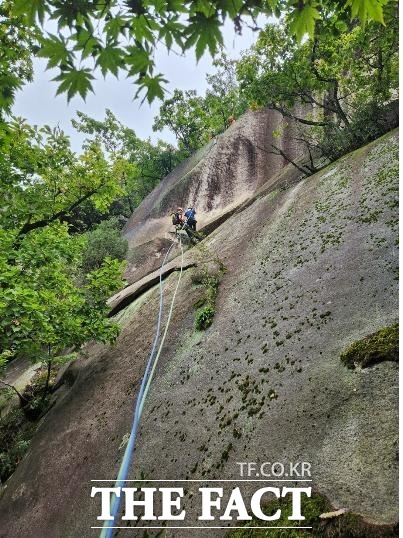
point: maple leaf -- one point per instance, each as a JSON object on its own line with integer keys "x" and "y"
{"x": 138, "y": 60}
{"x": 205, "y": 33}
{"x": 116, "y": 26}
{"x": 152, "y": 86}
{"x": 55, "y": 49}
{"x": 75, "y": 81}
{"x": 109, "y": 59}
{"x": 366, "y": 9}
{"x": 31, "y": 9}
{"x": 302, "y": 21}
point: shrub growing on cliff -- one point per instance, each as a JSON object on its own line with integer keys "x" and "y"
{"x": 105, "y": 240}
{"x": 44, "y": 310}
{"x": 15, "y": 435}
{"x": 194, "y": 119}
{"x": 209, "y": 279}
{"x": 204, "y": 318}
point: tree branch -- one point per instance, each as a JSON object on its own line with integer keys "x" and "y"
{"x": 304, "y": 121}
{"x": 60, "y": 215}
{"x": 20, "y": 396}
{"x": 305, "y": 171}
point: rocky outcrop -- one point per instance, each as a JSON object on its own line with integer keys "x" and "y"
{"x": 310, "y": 267}
{"x": 215, "y": 180}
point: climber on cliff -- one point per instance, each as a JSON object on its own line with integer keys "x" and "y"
{"x": 177, "y": 218}
{"x": 186, "y": 222}
{"x": 190, "y": 215}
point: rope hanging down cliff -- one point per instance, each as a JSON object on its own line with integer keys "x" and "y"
{"x": 108, "y": 527}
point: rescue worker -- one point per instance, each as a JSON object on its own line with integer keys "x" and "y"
{"x": 177, "y": 217}
{"x": 190, "y": 215}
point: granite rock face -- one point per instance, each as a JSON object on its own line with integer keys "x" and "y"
{"x": 310, "y": 267}
{"x": 215, "y": 179}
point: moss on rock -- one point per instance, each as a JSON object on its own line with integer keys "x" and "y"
{"x": 209, "y": 278}
{"x": 380, "y": 346}
{"x": 347, "y": 525}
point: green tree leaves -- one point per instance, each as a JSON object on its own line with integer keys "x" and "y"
{"x": 43, "y": 303}
{"x": 187, "y": 116}
{"x": 105, "y": 241}
{"x": 110, "y": 35}
{"x": 302, "y": 21}
{"x": 75, "y": 81}
{"x": 109, "y": 60}
{"x": 342, "y": 78}
{"x": 138, "y": 165}
{"x": 115, "y": 26}
{"x": 367, "y": 10}
{"x": 152, "y": 87}
{"x": 203, "y": 32}
{"x": 195, "y": 120}
{"x": 55, "y": 49}
{"x": 47, "y": 300}
{"x": 138, "y": 60}
{"x": 17, "y": 44}
{"x": 31, "y": 9}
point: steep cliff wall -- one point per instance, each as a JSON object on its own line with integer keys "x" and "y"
{"x": 310, "y": 268}
{"x": 214, "y": 180}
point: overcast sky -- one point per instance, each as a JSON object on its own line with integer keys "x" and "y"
{"x": 39, "y": 105}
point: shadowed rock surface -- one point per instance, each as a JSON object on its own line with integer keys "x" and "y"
{"x": 310, "y": 268}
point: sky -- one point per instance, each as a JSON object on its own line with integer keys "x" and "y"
{"x": 39, "y": 105}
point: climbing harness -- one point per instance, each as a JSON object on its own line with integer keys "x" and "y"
{"x": 108, "y": 527}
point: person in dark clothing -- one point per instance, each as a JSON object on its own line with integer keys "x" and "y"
{"x": 177, "y": 217}
{"x": 190, "y": 215}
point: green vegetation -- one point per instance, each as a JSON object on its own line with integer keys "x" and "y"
{"x": 137, "y": 165}
{"x": 17, "y": 426}
{"x": 344, "y": 109}
{"x": 105, "y": 240}
{"x": 15, "y": 436}
{"x": 62, "y": 251}
{"x": 337, "y": 89}
{"x": 17, "y": 38}
{"x": 49, "y": 305}
{"x": 204, "y": 318}
{"x": 380, "y": 346}
{"x": 347, "y": 524}
{"x": 117, "y": 37}
{"x": 195, "y": 120}
{"x": 210, "y": 282}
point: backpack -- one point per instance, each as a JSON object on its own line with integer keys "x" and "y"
{"x": 175, "y": 219}
{"x": 190, "y": 214}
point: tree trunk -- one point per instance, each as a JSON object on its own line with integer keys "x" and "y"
{"x": 306, "y": 171}
{"x": 46, "y": 387}
{"x": 23, "y": 400}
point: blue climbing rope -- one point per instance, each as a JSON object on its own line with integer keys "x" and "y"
{"x": 107, "y": 530}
